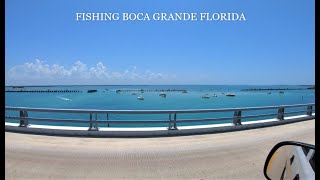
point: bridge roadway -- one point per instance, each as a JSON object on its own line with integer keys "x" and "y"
{"x": 231, "y": 155}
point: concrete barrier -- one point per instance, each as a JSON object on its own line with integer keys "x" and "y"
{"x": 150, "y": 132}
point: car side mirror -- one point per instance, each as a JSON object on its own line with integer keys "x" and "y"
{"x": 290, "y": 160}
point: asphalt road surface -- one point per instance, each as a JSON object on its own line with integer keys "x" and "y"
{"x": 231, "y": 155}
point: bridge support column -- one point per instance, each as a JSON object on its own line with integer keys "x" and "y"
{"x": 280, "y": 113}
{"x": 237, "y": 118}
{"x": 95, "y": 128}
{"x": 309, "y": 110}
{"x": 174, "y": 122}
{"x": 23, "y": 122}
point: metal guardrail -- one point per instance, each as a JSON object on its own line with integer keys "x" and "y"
{"x": 171, "y": 121}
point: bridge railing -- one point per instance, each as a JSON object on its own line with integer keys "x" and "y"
{"x": 172, "y": 120}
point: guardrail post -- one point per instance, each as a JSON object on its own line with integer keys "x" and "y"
{"x": 280, "y": 113}
{"x": 90, "y": 122}
{"x": 96, "y": 124}
{"x": 237, "y": 118}
{"x": 108, "y": 119}
{"x": 169, "y": 127}
{"x": 175, "y": 122}
{"x": 92, "y": 128}
{"x": 309, "y": 110}
{"x": 23, "y": 121}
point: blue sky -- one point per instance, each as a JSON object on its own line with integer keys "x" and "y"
{"x": 45, "y": 45}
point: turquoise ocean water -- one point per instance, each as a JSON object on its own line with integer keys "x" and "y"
{"x": 107, "y": 99}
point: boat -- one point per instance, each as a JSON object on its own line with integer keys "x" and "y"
{"x": 205, "y": 96}
{"x": 134, "y": 93}
{"x": 163, "y": 94}
{"x": 140, "y": 97}
{"x": 230, "y": 94}
{"x": 92, "y": 91}
{"x": 215, "y": 95}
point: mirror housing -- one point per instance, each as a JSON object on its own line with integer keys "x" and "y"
{"x": 290, "y": 160}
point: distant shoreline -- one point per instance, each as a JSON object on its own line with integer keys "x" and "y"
{"x": 272, "y": 89}
{"x": 19, "y": 86}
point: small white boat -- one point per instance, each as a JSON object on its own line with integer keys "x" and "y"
{"x": 163, "y": 94}
{"x": 206, "y": 96}
{"x": 230, "y": 94}
{"x": 140, "y": 97}
{"x": 215, "y": 95}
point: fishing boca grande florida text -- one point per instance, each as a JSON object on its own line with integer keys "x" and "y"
{"x": 160, "y": 16}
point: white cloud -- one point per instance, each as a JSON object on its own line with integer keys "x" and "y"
{"x": 39, "y": 72}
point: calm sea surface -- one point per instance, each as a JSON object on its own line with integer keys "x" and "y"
{"x": 107, "y": 99}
